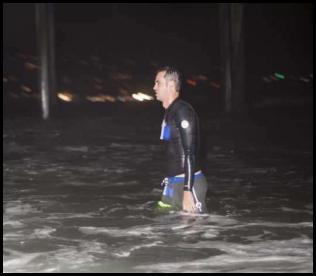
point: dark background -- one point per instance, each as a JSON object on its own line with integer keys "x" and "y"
{"x": 115, "y": 49}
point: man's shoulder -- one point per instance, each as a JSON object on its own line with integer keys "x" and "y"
{"x": 182, "y": 110}
{"x": 182, "y": 105}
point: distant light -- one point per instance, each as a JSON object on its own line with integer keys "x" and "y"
{"x": 5, "y": 79}
{"x": 191, "y": 82}
{"x": 101, "y": 98}
{"x": 13, "y": 95}
{"x": 215, "y": 84}
{"x": 97, "y": 80}
{"x": 121, "y": 76}
{"x": 23, "y": 56}
{"x": 145, "y": 96}
{"x": 98, "y": 87}
{"x": 12, "y": 78}
{"x": 65, "y": 96}
{"x": 26, "y": 89}
{"x": 83, "y": 62}
{"x": 273, "y": 78}
{"x": 141, "y": 97}
{"x": 201, "y": 77}
{"x": 266, "y": 79}
{"x": 304, "y": 79}
{"x": 30, "y": 66}
{"x": 279, "y": 76}
{"x": 121, "y": 99}
{"x": 137, "y": 97}
{"x": 125, "y": 98}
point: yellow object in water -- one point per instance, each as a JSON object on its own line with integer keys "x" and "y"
{"x": 163, "y": 205}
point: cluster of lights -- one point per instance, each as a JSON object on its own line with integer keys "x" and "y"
{"x": 194, "y": 80}
{"x": 30, "y": 64}
{"x": 68, "y": 96}
{"x": 280, "y": 76}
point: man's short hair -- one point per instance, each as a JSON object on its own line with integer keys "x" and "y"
{"x": 172, "y": 74}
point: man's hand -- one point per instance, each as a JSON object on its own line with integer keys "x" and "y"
{"x": 188, "y": 202}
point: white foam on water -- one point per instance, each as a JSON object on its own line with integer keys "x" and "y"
{"x": 42, "y": 233}
{"x": 127, "y": 252}
{"x": 31, "y": 172}
{"x": 19, "y": 209}
{"x": 16, "y": 236}
{"x": 112, "y": 210}
{"x": 181, "y": 226}
{"x": 18, "y": 262}
{"x": 48, "y": 270}
{"x": 78, "y": 149}
{"x": 294, "y": 255}
{"x": 255, "y": 238}
{"x": 79, "y": 258}
{"x": 210, "y": 233}
{"x": 221, "y": 220}
{"x": 287, "y": 209}
{"x": 69, "y": 259}
{"x": 122, "y": 145}
{"x": 58, "y": 216}
{"x": 278, "y": 224}
{"x": 20, "y": 236}
{"x": 226, "y": 223}
{"x": 309, "y": 206}
{"x": 93, "y": 247}
{"x": 13, "y": 223}
{"x": 118, "y": 232}
{"x": 225, "y": 264}
{"x": 122, "y": 183}
{"x": 78, "y": 183}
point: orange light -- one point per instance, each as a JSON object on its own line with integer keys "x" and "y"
{"x": 30, "y": 66}
{"x": 101, "y": 98}
{"x": 191, "y": 82}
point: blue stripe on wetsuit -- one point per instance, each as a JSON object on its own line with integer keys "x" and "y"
{"x": 165, "y": 131}
{"x": 178, "y": 179}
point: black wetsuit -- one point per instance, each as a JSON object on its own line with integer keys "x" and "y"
{"x": 180, "y": 128}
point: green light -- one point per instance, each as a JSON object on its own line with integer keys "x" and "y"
{"x": 279, "y": 76}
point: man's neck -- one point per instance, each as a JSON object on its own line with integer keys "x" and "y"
{"x": 170, "y": 100}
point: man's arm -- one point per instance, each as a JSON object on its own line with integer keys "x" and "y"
{"x": 187, "y": 126}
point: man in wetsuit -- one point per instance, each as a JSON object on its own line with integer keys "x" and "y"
{"x": 185, "y": 185}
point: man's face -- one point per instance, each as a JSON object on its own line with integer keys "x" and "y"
{"x": 161, "y": 86}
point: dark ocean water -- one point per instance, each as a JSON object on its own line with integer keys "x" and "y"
{"x": 80, "y": 196}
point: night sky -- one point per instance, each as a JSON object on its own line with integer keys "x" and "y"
{"x": 278, "y": 38}
{"x": 281, "y": 32}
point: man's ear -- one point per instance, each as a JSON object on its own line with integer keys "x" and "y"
{"x": 171, "y": 84}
